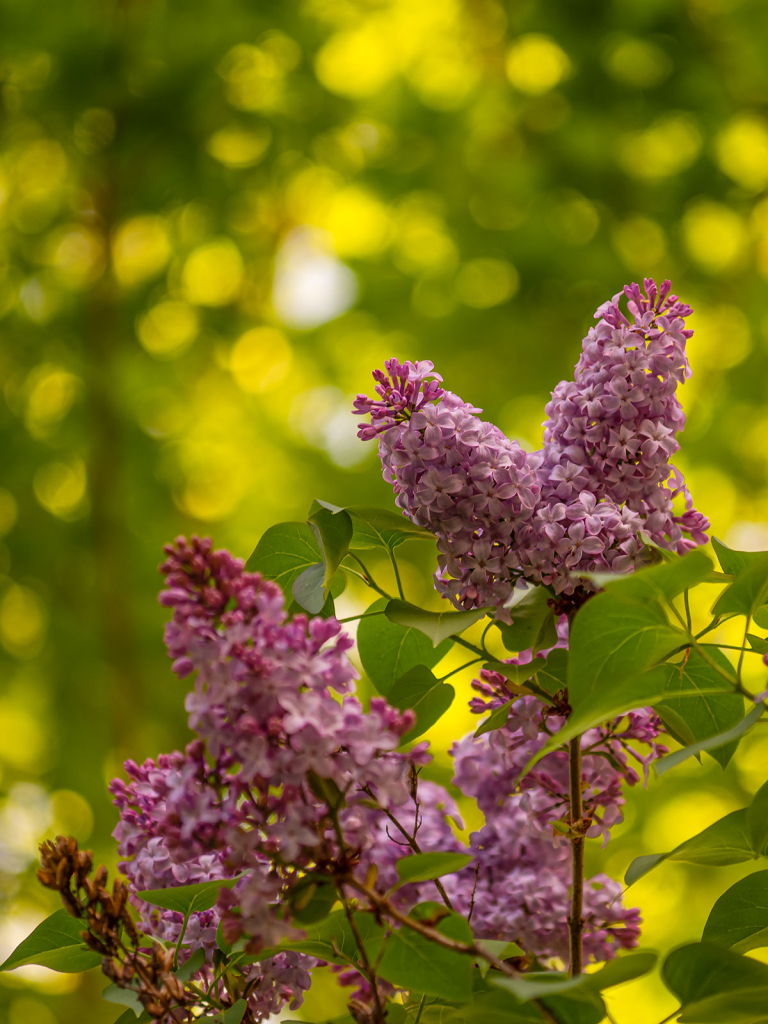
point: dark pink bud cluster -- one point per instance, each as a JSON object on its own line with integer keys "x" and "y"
{"x": 402, "y": 391}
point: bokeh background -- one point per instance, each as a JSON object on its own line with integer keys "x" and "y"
{"x": 217, "y": 217}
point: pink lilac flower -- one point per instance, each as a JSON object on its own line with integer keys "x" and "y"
{"x": 582, "y": 503}
{"x": 241, "y": 798}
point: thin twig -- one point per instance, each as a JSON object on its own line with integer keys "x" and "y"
{"x": 411, "y": 841}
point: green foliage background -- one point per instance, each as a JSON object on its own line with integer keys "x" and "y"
{"x": 217, "y": 218}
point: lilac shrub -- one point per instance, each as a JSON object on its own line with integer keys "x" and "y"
{"x": 302, "y": 828}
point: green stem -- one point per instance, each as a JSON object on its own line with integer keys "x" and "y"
{"x": 687, "y": 609}
{"x": 398, "y": 581}
{"x": 367, "y": 577}
{"x": 743, "y": 649}
{"x": 181, "y": 939}
{"x": 364, "y": 615}
{"x": 466, "y": 664}
{"x": 421, "y": 1010}
{"x": 471, "y": 647}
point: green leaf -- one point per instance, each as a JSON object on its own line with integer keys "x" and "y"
{"x": 124, "y": 997}
{"x": 635, "y": 692}
{"x": 496, "y": 720}
{"x": 552, "y": 674}
{"x": 721, "y": 740}
{"x": 716, "y": 986}
{"x": 308, "y": 590}
{"x": 284, "y": 552}
{"x": 332, "y": 939}
{"x": 533, "y": 622}
{"x": 55, "y": 944}
{"x": 614, "y": 639}
{"x": 708, "y": 714}
{"x": 192, "y": 899}
{"x": 422, "y": 867}
{"x": 192, "y": 964}
{"x": 758, "y": 643}
{"x": 747, "y": 592}
{"x": 739, "y": 919}
{"x": 326, "y": 790}
{"x": 333, "y": 531}
{"x": 725, "y": 842}
{"x": 420, "y": 691}
{"x": 438, "y": 626}
{"x": 518, "y": 675}
{"x": 640, "y": 866}
{"x": 615, "y": 972}
{"x": 312, "y": 899}
{"x": 381, "y": 528}
{"x": 129, "y": 1017}
{"x": 235, "y": 1013}
{"x": 416, "y": 963}
{"x": 388, "y": 650}
{"x": 733, "y": 562}
{"x": 757, "y": 820}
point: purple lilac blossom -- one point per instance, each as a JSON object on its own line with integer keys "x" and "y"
{"x": 264, "y": 709}
{"x": 581, "y": 503}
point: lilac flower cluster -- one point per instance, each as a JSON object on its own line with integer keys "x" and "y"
{"x": 264, "y": 709}
{"x": 517, "y": 887}
{"x": 520, "y": 890}
{"x": 578, "y": 505}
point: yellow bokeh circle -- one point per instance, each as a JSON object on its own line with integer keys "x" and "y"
{"x": 168, "y": 328}
{"x": 260, "y": 360}
{"x": 213, "y": 273}
{"x": 536, "y": 64}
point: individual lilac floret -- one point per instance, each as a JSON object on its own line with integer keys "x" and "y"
{"x": 585, "y": 501}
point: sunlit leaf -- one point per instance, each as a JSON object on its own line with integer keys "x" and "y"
{"x": 56, "y": 944}
{"x": 727, "y": 841}
{"x": 414, "y": 962}
{"x": 185, "y": 899}
{"x": 388, "y": 650}
{"x": 284, "y": 552}
{"x": 421, "y": 867}
{"x": 722, "y": 739}
{"x": 708, "y": 714}
{"x": 716, "y": 986}
{"x": 419, "y": 691}
{"x": 739, "y": 918}
{"x": 438, "y": 626}
{"x": 748, "y": 592}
